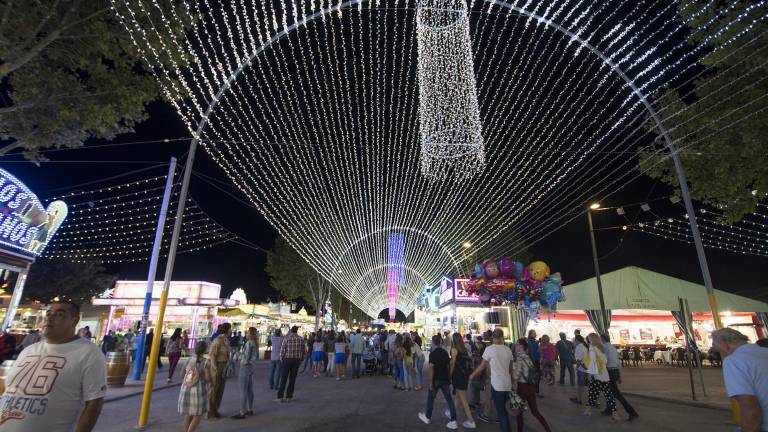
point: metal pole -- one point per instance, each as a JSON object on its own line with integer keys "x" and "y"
{"x": 15, "y": 298}
{"x": 694, "y": 229}
{"x": 138, "y": 361}
{"x": 155, "y": 353}
{"x": 603, "y": 315}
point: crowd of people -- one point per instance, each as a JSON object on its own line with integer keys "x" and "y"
{"x": 480, "y": 378}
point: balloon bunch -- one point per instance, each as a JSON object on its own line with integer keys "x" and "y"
{"x": 510, "y": 282}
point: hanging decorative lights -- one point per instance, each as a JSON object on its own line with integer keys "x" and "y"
{"x": 449, "y": 115}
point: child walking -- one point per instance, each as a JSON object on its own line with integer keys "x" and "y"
{"x": 193, "y": 397}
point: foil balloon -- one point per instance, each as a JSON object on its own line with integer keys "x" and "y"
{"x": 478, "y": 270}
{"x": 538, "y": 270}
{"x": 507, "y": 267}
{"x": 518, "y": 269}
{"x": 491, "y": 268}
{"x": 484, "y": 295}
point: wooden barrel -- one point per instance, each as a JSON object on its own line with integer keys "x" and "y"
{"x": 6, "y": 366}
{"x": 118, "y": 366}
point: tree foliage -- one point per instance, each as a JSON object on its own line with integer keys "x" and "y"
{"x": 69, "y": 72}
{"x": 294, "y": 278}
{"x": 722, "y": 125}
{"x": 67, "y": 280}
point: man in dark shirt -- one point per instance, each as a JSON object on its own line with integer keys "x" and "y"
{"x": 567, "y": 359}
{"x": 439, "y": 379}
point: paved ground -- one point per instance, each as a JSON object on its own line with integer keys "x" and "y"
{"x": 674, "y": 383}
{"x": 370, "y": 404}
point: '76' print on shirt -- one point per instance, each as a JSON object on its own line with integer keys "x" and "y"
{"x": 25, "y": 392}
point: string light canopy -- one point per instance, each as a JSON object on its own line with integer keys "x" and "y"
{"x": 117, "y": 223}
{"x": 318, "y": 110}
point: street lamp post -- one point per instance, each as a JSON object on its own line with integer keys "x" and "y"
{"x": 603, "y": 315}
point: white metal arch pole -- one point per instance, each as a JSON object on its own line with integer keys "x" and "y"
{"x": 138, "y": 361}
{"x": 155, "y": 352}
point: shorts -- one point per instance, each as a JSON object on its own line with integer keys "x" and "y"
{"x": 581, "y": 378}
{"x": 318, "y": 356}
{"x": 341, "y": 358}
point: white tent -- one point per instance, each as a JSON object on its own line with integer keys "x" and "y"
{"x": 637, "y": 288}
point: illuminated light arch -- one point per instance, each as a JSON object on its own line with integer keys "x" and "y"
{"x": 301, "y": 19}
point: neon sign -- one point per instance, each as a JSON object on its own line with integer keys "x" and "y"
{"x": 25, "y": 225}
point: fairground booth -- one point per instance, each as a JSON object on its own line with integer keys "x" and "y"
{"x": 192, "y": 306}
{"x": 460, "y": 311}
{"x": 26, "y": 227}
{"x": 643, "y": 309}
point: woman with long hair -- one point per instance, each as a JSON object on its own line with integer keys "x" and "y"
{"x": 525, "y": 388}
{"x": 193, "y": 396}
{"x": 398, "y": 364}
{"x": 173, "y": 351}
{"x": 418, "y": 365}
{"x": 461, "y": 368}
{"x": 318, "y": 354}
{"x": 341, "y": 356}
{"x": 408, "y": 362}
{"x": 246, "y": 373}
{"x": 581, "y": 352}
{"x": 599, "y": 379}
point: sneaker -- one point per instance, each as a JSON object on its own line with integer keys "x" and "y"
{"x": 452, "y": 425}
{"x": 483, "y": 418}
{"x": 423, "y": 417}
{"x": 469, "y": 425}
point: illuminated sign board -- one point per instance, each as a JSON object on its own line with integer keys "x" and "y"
{"x": 25, "y": 225}
{"x": 460, "y": 285}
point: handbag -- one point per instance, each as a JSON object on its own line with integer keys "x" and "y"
{"x": 516, "y": 405}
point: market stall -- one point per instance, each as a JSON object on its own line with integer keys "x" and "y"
{"x": 641, "y": 303}
{"x": 191, "y": 305}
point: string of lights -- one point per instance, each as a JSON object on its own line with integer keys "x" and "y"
{"x": 351, "y": 91}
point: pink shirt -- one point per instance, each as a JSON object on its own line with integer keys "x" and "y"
{"x": 548, "y": 351}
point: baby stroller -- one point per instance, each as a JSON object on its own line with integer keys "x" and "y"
{"x": 371, "y": 362}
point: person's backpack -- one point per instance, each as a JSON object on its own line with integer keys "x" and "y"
{"x": 534, "y": 374}
{"x": 464, "y": 363}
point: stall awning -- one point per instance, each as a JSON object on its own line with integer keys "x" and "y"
{"x": 236, "y": 311}
{"x": 637, "y": 288}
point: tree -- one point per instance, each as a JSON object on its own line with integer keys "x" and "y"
{"x": 67, "y": 280}
{"x": 69, "y": 72}
{"x": 294, "y": 278}
{"x": 721, "y": 126}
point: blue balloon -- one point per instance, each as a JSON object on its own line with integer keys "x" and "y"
{"x": 518, "y": 269}
{"x": 478, "y": 270}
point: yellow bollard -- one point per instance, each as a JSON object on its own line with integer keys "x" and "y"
{"x": 149, "y": 381}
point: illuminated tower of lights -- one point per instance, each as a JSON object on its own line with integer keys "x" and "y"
{"x": 395, "y": 270}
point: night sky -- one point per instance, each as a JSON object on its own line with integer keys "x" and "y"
{"x": 567, "y": 250}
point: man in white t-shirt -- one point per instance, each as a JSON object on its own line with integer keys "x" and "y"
{"x": 745, "y": 372}
{"x": 57, "y": 385}
{"x": 498, "y": 357}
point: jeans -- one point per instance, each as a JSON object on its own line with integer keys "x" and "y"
{"x": 245, "y": 381}
{"x": 615, "y": 378}
{"x": 397, "y": 374}
{"x": 418, "y": 364}
{"x": 307, "y": 362}
{"x": 407, "y": 377}
{"x": 500, "y": 402}
{"x": 563, "y": 366}
{"x": 357, "y": 364}
{"x": 445, "y": 388}
{"x": 289, "y": 370}
{"x": 274, "y": 375}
